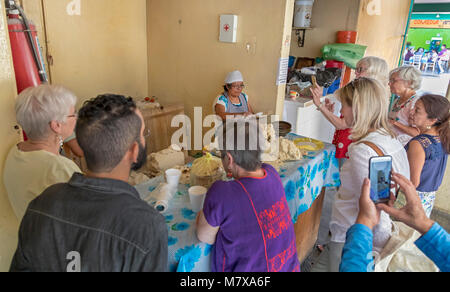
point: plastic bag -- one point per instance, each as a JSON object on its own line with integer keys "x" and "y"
{"x": 350, "y": 54}
{"x": 207, "y": 165}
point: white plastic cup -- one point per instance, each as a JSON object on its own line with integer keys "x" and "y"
{"x": 197, "y": 196}
{"x": 173, "y": 177}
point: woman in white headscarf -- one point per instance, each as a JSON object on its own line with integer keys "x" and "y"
{"x": 233, "y": 101}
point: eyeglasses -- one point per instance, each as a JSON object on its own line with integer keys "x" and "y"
{"x": 75, "y": 115}
{"x": 392, "y": 81}
{"x": 238, "y": 86}
{"x": 146, "y": 133}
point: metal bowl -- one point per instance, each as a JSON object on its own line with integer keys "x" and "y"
{"x": 282, "y": 128}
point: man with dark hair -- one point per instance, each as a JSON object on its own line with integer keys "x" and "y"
{"x": 97, "y": 222}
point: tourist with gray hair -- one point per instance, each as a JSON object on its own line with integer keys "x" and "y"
{"x": 97, "y": 222}
{"x": 247, "y": 219}
{"x": 47, "y": 115}
{"x": 404, "y": 83}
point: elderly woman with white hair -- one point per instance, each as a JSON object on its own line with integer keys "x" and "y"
{"x": 233, "y": 101}
{"x": 404, "y": 83}
{"x": 47, "y": 115}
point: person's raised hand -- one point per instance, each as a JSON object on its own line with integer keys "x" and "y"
{"x": 368, "y": 215}
{"x": 412, "y": 214}
{"x": 317, "y": 93}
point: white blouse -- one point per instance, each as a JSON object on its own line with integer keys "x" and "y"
{"x": 403, "y": 116}
{"x": 353, "y": 173}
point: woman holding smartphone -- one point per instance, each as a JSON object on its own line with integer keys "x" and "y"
{"x": 365, "y": 109}
{"x": 428, "y": 152}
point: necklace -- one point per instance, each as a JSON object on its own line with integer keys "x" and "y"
{"x": 396, "y": 108}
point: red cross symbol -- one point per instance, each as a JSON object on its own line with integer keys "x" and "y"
{"x": 226, "y": 27}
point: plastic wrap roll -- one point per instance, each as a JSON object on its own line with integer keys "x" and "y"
{"x": 161, "y": 197}
{"x": 161, "y": 206}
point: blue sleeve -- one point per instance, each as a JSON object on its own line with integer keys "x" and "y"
{"x": 435, "y": 244}
{"x": 357, "y": 252}
{"x": 222, "y": 100}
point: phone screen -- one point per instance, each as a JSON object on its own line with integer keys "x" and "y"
{"x": 380, "y": 178}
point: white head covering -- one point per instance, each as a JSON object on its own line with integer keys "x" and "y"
{"x": 234, "y": 76}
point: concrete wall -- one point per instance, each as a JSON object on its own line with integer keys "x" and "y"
{"x": 8, "y": 136}
{"x": 382, "y": 28}
{"x": 102, "y": 50}
{"x": 329, "y": 17}
{"x": 188, "y": 64}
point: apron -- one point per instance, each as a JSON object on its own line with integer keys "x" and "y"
{"x": 236, "y": 109}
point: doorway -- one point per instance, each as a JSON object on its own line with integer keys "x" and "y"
{"x": 426, "y": 45}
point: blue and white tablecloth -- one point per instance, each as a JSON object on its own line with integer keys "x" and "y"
{"x": 186, "y": 252}
{"x": 303, "y": 182}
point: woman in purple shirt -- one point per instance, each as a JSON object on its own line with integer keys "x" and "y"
{"x": 248, "y": 219}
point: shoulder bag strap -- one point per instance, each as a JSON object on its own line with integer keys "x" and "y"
{"x": 374, "y": 147}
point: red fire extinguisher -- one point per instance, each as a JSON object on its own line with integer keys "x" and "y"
{"x": 27, "y": 58}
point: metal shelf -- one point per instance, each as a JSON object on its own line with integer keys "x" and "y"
{"x": 300, "y": 32}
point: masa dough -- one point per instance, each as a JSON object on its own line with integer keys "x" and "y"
{"x": 137, "y": 178}
{"x": 275, "y": 150}
{"x": 289, "y": 151}
{"x": 165, "y": 159}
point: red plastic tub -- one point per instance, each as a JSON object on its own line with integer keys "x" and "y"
{"x": 346, "y": 37}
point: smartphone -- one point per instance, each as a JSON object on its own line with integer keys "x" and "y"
{"x": 380, "y": 171}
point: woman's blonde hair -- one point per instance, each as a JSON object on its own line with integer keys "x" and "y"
{"x": 377, "y": 68}
{"x": 369, "y": 102}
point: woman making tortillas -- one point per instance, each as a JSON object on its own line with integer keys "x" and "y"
{"x": 233, "y": 101}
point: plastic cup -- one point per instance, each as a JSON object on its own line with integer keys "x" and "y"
{"x": 173, "y": 177}
{"x": 197, "y": 196}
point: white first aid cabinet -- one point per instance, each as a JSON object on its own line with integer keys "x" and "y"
{"x": 228, "y": 28}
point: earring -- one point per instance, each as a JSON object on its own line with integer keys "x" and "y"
{"x": 61, "y": 141}
{"x": 428, "y": 127}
